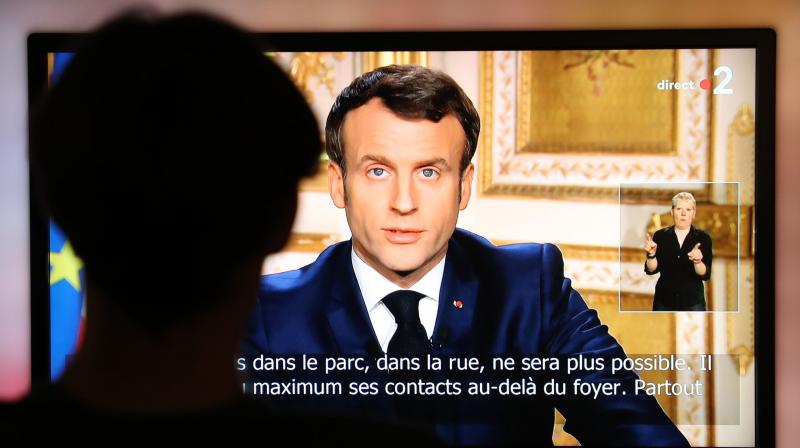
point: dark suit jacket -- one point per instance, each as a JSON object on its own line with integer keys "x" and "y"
{"x": 679, "y": 288}
{"x": 516, "y": 301}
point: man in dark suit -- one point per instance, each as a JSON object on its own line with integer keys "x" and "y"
{"x": 400, "y": 140}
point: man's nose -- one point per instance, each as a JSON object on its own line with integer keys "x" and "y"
{"x": 403, "y": 196}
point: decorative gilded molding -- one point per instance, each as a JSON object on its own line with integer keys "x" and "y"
{"x": 589, "y": 253}
{"x": 635, "y": 302}
{"x": 635, "y": 278}
{"x": 309, "y": 69}
{"x": 375, "y": 59}
{"x": 739, "y": 328}
{"x": 632, "y": 255}
{"x": 596, "y": 297}
{"x": 744, "y": 123}
{"x": 741, "y": 148}
{"x": 593, "y": 274}
{"x": 506, "y": 171}
{"x": 693, "y": 411}
{"x": 586, "y": 252}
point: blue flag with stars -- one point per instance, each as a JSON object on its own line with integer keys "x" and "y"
{"x": 66, "y": 281}
{"x": 66, "y": 301}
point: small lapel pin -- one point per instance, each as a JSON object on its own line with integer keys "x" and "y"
{"x": 458, "y": 304}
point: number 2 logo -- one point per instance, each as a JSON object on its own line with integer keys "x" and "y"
{"x": 727, "y": 74}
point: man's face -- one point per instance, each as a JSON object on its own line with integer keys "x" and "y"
{"x": 683, "y": 214}
{"x": 403, "y": 189}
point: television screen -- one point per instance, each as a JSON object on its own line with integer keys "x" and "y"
{"x": 625, "y": 149}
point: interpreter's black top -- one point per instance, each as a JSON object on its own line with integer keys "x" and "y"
{"x": 679, "y": 288}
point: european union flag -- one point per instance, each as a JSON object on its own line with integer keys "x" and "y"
{"x": 66, "y": 301}
{"x": 66, "y": 282}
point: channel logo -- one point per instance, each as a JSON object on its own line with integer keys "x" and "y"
{"x": 722, "y": 88}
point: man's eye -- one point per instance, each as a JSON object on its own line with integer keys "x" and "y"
{"x": 377, "y": 172}
{"x": 428, "y": 172}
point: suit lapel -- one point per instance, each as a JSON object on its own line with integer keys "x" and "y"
{"x": 458, "y": 299}
{"x": 347, "y": 315}
{"x": 352, "y": 330}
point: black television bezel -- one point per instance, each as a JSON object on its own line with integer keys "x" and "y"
{"x": 763, "y": 40}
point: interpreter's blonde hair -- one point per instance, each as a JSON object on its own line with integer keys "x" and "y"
{"x": 683, "y": 196}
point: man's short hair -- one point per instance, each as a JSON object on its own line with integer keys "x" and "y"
{"x": 410, "y": 91}
{"x": 683, "y": 196}
{"x": 169, "y": 151}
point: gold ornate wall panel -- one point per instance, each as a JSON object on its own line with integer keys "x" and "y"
{"x": 589, "y": 164}
{"x": 742, "y": 155}
{"x": 314, "y": 67}
{"x": 623, "y": 114}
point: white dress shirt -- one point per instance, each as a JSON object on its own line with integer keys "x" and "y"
{"x": 374, "y": 287}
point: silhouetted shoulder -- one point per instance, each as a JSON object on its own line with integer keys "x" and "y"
{"x": 286, "y": 282}
{"x": 245, "y": 420}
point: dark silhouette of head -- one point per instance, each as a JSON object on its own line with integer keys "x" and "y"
{"x": 169, "y": 151}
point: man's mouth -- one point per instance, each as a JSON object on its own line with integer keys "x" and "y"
{"x": 402, "y": 235}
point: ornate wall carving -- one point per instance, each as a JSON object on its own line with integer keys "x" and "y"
{"x": 507, "y": 169}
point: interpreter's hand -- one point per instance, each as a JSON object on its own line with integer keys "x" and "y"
{"x": 695, "y": 255}
{"x": 650, "y": 245}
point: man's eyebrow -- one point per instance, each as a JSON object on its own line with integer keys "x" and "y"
{"x": 375, "y": 158}
{"x": 436, "y": 162}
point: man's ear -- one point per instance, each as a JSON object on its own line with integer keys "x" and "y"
{"x": 466, "y": 186}
{"x": 336, "y": 184}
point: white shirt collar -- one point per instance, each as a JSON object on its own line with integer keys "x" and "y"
{"x": 374, "y": 286}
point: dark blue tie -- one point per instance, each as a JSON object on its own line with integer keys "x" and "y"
{"x": 410, "y": 337}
